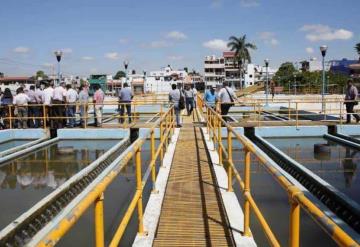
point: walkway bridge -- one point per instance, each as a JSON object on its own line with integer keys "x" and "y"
{"x": 192, "y": 203}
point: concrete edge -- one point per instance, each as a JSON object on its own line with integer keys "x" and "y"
{"x": 232, "y": 206}
{"x": 95, "y": 133}
{"x": 351, "y": 130}
{"x": 154, "y": 205}
{"x": 291, "y": 131}
{"x": 23, "y": 146}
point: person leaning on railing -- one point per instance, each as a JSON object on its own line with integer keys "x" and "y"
{"x": 98, "y": 104}
{"x": 210, "y": 97}
{"x": 350, "y": 101}
{"x": 6, "y": 103}
{"x": 59, "y": 105}
{"x": 21, "y": 101}
{"x": 47, "y": 101}
{"x": 71, "y": 97}
{"x": 34, "y": 108}
{"x": 125, "y": 98}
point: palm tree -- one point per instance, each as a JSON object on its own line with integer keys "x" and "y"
{"x": 357, "y": 48}
{"x": 242, "y": 54}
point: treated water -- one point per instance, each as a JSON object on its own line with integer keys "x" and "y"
{"x": 13, "y": 143}
{"x": 26, "y": 180}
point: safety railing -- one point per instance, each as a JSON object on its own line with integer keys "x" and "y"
{"x": 80, "y": 114}
{"x": 297, "y": 198}
{"x": 96, "y": 196}
{"x": 291, "y": 112}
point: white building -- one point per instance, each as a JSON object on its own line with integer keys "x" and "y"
{"x": 161, "y": 81}
{"x": 225, "y": 68}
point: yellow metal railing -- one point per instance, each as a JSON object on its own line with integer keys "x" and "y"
{"x": 48, "y": 116}
{"x": 297, "y": 198}
{"x": 96, "y": 195}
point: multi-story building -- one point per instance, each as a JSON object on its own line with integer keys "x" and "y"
{"x": 226, "y": 68}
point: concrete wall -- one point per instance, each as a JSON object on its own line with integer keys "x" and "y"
{"x": 93, "y": 133}
{"x": 351, "y": 130}
{"x": 291, "y": 131}
{"x": 10, "y": 134}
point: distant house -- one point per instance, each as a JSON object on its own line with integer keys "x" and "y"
{"x": 16, "y": 80}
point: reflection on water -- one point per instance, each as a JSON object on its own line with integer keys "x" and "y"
{"x": 26, "y": 180}
{"x": 337, "y": 165}
{"x": 13, "y": 143}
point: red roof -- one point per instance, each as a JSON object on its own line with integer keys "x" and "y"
{"x": 16, "y": 78}
{"x": 228, "y": 54}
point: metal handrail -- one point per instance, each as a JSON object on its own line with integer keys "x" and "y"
{"x": 296, "y": 197}
{"x": 96, "y": 195}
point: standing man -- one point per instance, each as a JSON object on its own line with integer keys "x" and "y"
{"x": 125, "y": 97}
{"x": 83, "y": 101}
{"x": 195, "y": 92}
{"x": 227, "y": 98}
{"x": 174, "y": 97}
{"x": 71, "y": 98}
{"x": 47, "y": 101}
{"x": 59, "y": 105}
{"x": 21, "y": 102}
{"x": 189, "y": 99}
{"x": 34, "y": 108}
{"x": 98, "y": 104}
{"x": 351, "y": 101}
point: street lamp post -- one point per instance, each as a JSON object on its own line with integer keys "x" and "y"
{"x": 126, "y": 65}
{"x": 267, "y": 80}
{"x": 58, "y": 55}
{"x": 295, "y": 83}
{"x": 144, "y": 72}
{"x": 323, "y": 50}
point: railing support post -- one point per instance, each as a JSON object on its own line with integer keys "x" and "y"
{"x": 294, "y": 224}
{"x": 219, "y": 142}
{"x": 161, "y": 144}
{"x": 10, "y": 117}
{"x": 139, "y": 187}
{"x": 297, "y": 115}
{"x": 341, "y": 113}
{"x": 153, "y": 168}
{"x": 99, "y": 221}
{"x": 246, "y": 193}
{"x": 229, "y": 151}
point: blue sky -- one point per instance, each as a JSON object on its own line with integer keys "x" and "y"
{"x": 98, "y": 35}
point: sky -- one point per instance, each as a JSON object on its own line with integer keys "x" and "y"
{"x": 96, "y": 36}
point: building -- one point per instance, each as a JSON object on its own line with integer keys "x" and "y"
{"x": 225, "y": 68}
{"x": 342, "y": 66}
{"x": 161, "y": 81}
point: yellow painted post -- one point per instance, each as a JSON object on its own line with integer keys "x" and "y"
{"x": 297, "y": 114}
{"x": 153, "y": 169}
{"x": 166, "y": 127}
{"x": 229, "y": 151}
{"x": 207, "y": 121}
{"x": 99, "y": 221}
{"x": 44, "y": 116}
{"x": 161, "y": 144}
{"x": 219, "y": 142}
{"x": 10, "y": 117}
{"x": 139, "y": 188}
{"x": 213, "y": 129}
{"x": 289, "y": 116}
{"x": 247, "y": 191}
{"x": 341, "y": 113}
{"x": 294, "y": 224}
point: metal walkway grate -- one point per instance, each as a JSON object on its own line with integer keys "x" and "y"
{"x": 192, "y": 212}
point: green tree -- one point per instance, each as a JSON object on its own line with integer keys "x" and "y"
{"x": 119, "y": 75}
{"x": 357, "y": 48}
{"x": 41, "y": 74}
{"x": 285, "y": 74}
{"x": 1, "y": 74}
{"x": 242, "y": 53}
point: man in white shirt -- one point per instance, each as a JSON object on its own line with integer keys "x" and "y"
{"x": 58, "y": 107}
{"x": 21, "y": 101}
{"x": 195, "y": 94}
{"x": 227, "y": 97}
{"x": 71, "y": 98}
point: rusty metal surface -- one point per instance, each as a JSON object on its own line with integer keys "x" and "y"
{"x": 192, "y": 212}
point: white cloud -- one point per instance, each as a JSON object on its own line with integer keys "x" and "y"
{"x": 158, "y": 44}
{"x": 123, "y": 41}
{"x": 87, "y": 58}
{"x": 176, "y": 35}
{"x": 67, "y": 50}
{"x": 269, "y": 38}
{"x": 21, "y": 49}
{"x": 249, "y": 3}
{"x": 319, "y": 32}
{"x": 112, "y": 55}
{"x": 216, "y": 44}
{"x": 173, "y": 57}
{"x": 309, "y": 50}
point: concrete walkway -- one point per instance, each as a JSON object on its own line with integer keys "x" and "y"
{"x": 192, "y": 212}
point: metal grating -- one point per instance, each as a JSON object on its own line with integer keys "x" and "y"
{"x": 192, "y": 212}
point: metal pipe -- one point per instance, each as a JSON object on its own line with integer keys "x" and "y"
{"x": 153, "y": 169}
{"x": 139, "y": 187}
{"x": 247, "y": 191}
{"x": 99, "y": 221}
{"x": 229, "y": 158}
{"x": 294, "y": 233}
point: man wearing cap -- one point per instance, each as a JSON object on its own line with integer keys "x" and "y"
{"x": 351, "y": 101}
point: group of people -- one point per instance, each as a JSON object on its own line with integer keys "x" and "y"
{"x": 57, "y": 105}
{"x": 224, "y": 95}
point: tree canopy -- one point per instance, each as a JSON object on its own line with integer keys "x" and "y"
{"x": 357, "y": 48}
{"x": 119, "y": 74}
{"x": 241, "y": 48}
{"x": 41, "y": 74}
{"x": 1, "y": 74}
{"x": 284, "y": 74}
